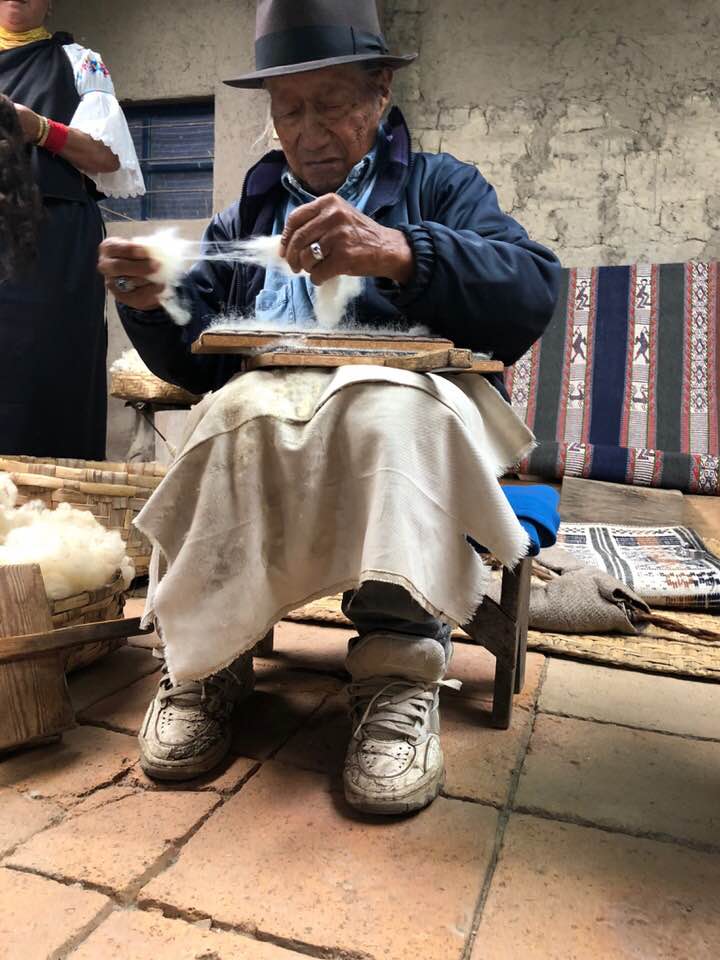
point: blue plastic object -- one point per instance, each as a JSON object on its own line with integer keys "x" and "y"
{"x": 536, "y": 507}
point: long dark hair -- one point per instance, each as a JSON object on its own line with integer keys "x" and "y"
{"x": 20, "y": 205}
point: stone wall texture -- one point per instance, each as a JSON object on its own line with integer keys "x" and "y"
{"x": 598, "y": 121}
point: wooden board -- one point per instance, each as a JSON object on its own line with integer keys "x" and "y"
{"x": 594, "y": 501}
{"x": 34, "y": 701}
{"x": 13, "y": 649}
{"x": 419, "y": 354}
{"x": 246, "y": 342}
{"x": 703, "y": 515}
{"x": 424, "y": 362}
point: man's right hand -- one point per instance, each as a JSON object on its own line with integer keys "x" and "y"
{"x": 123, "y": 258}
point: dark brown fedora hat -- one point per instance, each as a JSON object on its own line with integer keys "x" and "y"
{"x": 292, "y": 36}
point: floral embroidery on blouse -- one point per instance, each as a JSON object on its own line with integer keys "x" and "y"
{"x": 93, "y": 64}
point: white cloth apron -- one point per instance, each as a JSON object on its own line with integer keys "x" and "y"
{"x": 295, "y": 484}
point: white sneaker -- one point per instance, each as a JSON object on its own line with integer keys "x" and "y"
{"x": 394, "y": 762}
{"x": 187, "y": 728}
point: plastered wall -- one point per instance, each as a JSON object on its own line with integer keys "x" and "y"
{"x": 598, "y": 121}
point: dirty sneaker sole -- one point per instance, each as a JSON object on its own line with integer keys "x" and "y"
{"x": 421, "y": 797}
{"x": 159, "y": 769}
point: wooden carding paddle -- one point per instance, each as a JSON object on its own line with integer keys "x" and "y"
{"x": 424, "y": 362}
{"x": 263, "y": 349}
{"x": 247, "y": 342}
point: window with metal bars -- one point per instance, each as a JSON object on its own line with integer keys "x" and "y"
{"x": 176, "y": 147}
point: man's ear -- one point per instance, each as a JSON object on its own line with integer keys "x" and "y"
{"x": 385, "y": 80}
{"x": 382, "y": 82}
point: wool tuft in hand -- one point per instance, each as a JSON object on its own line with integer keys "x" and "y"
{"x": 172, "y": 254}
{"x": 332, "y": 298}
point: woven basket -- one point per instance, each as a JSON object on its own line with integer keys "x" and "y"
{"x": 148, "y": 387}
{"x": 107, "y": 603}
{"x": 113, "y": 492}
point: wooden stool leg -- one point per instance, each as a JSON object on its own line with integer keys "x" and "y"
{"x": 510, "y": 669}
{"x": 266, "y": 645}
{"x": 503, "y": 690}
{"x": 502, "y": 628}
{"x": 521, "y": 615}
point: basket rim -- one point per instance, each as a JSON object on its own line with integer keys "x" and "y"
{"x": 156, "y": 469}
{"x": 116, "y": 585}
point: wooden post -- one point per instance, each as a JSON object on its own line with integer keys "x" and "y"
{"x": 34, "y": 699}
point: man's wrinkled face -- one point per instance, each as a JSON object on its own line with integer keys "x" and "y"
{"x": 327, "y": 121}
{"x": 22, "y": 15}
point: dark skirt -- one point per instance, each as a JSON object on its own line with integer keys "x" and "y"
{"x": 53, "y": 342}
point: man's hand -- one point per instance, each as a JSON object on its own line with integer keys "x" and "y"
{"x": 352, "y": 244}
{"x": 122, "y": 258}
{"x": 29, "y": 122}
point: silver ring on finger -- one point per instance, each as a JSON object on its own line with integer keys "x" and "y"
{"x": 316, "y": 251}
{"x": 125, "y": 284}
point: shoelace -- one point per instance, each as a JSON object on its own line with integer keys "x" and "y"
{"x": 195, "y": 692}
{"x": 388, "y": 716}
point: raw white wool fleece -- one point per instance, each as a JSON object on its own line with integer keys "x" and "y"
{"x": 75, "y": 552}
{"x": 172, "y": 254}
{"x": 331, "y": 298}
{"x": 129, "y": 362}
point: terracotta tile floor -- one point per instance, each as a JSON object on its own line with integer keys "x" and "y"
{"x": 588, "y": 831}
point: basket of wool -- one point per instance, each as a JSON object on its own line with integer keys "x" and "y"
{"x": 114, "y": 493}
{"x": 84, "y": 567}
{"x": 131, "y": 380}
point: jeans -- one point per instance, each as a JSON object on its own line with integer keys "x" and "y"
{"x": 385, "y": 606}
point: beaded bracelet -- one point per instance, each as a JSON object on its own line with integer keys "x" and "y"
{"x": 43, "y": 133}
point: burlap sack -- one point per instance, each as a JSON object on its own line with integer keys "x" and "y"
{"x": 578, "y": 599}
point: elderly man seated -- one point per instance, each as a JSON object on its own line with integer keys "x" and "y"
{"x": 292, "y": 484}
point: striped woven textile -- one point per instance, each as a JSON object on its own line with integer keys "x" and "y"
{"x": 666, "y": 566}
{"x": 623, "y": 386}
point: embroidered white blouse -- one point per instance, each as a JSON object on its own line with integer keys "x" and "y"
{"x": 100, "y": 116}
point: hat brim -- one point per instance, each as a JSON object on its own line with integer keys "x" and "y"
{"x": 254, "y": 80}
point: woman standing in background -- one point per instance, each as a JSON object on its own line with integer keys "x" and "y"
{"x": 53, "y": 338}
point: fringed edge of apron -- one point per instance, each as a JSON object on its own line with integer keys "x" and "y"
{"x": 330, "y": 590}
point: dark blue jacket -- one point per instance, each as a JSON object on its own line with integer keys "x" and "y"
{"x": 478, "y": 279}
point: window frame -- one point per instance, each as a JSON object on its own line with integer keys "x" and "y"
{"x": 155, "y": 110}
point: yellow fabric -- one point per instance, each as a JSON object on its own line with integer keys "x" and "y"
{"x": 10, "y": 40}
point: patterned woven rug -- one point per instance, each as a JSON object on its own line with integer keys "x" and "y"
{"x": 656, "y": 651}
{"x": 666, "y": 566}
{"x": 623, "y": 385}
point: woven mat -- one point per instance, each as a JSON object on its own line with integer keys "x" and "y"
{"x": 656, "y": 650}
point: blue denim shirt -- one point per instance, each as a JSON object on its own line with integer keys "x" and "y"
{"x": 289, "y": 300}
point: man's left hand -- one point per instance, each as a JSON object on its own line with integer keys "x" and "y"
{"x": 351, "y": 243}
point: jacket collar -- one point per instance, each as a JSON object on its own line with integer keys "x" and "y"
{"x": 261, "y": 190}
